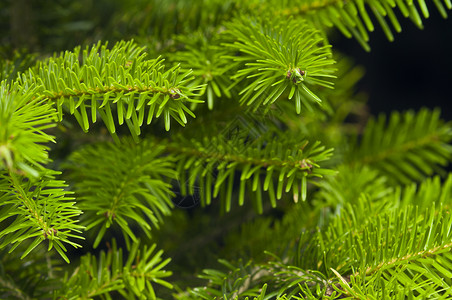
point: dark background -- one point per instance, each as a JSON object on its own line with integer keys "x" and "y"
{"x": 413, "y": 71}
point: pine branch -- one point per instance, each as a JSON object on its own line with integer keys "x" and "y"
{"x": 134, "y": 192}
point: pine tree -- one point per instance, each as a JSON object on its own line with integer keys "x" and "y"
{"x": 215, "y": 150}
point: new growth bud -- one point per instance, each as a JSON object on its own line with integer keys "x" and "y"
{"x": 296, "y": 75}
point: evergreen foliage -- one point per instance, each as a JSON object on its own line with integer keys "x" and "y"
{"x": 266, "y": 190}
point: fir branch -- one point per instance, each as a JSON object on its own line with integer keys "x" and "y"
{"x": 368, "y": 250}
{"x": 384, "y": 246}
{"x": 393, "y": 259}
{"x": 263, "y": 164}
{"x": 120, "y": 76}
{"x": 150, "y": 18}
{"x": 204, "y": 56}
{"x": 38, "y": 210}
{"x": 23, "y": 121}
{"x": 408, "y": 147}
{"x": 278, "y": 55}
{"x": 349, "y": 184}
{"x": 352, "y": 18}
{"x": 238, "y": 281}
{"x": 132, "y": 279}
{"x": 435, "y": 191}
{"x": 31, "y": 277}
{"x": 132, "y": 192}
